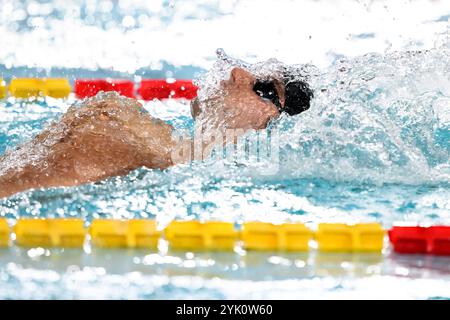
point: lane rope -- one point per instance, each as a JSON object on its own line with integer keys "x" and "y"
{"x": 149, "y": 89}
{"x": 216, "y": 235}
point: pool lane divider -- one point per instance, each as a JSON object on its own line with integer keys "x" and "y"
{"x": 34, "y": 87}
{"x": 425, "y": 240}
{"x": 195, "y": 235}
{"x": 4, "y": 233}
{"x": 149, "y": 89}
{"x": 2, "y": 89}
{"x": 135, "y": 233}
{"x": 268, "y": 236}
{"x": 65, "y": 233}
{"x": 362, "y": 237}
{"x": 162, "y": 89}
{"x": 85, "y": 88}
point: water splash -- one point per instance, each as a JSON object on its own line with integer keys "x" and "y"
{"x": 375, "y": 118}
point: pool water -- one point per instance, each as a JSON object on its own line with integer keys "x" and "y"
{"x": 374, "y": 147}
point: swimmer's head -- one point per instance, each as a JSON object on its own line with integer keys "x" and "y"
{"x": 248, "y": 100}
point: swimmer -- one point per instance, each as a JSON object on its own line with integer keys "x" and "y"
{"x": 111, "y": 135}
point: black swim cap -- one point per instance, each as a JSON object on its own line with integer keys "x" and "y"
{"x": 297, "y": 94}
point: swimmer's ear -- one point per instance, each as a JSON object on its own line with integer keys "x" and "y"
{"x": 242, "y": 78}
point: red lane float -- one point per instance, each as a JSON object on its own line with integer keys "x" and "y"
{"x": 161, "y": 89}
{"x": 123, "y": 87}
{"x": 85, "y": 88}
{"x": 149, "y": 89}
{"x": 430, "y": 240}
{"x": 88, "y": 88}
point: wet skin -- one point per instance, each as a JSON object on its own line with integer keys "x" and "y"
{"x": 112, "y": 136}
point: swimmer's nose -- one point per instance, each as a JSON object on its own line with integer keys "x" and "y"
{"x": 242, "y": 78}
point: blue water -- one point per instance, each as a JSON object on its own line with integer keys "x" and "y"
{"x": 375, "y": 146}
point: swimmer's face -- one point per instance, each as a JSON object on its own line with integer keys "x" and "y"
{"x": 241, "y": 107}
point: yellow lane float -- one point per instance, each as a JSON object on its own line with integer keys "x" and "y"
{"x": 68, "y": 233}
{"x": 2, "y": 89}
{"x": 268, "y": 236}
{"x": 26, "y": 87}
{"x": 339, "y": 237}
{"x": 33, "y": 87}
{"x": 4, "y": 233}
{"x": 108, "y": 233}
{"x": 195, "y": 235}
{"x": 57, "y": 88}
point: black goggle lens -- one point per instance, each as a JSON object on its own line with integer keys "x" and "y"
{"x": 267, "y": 90}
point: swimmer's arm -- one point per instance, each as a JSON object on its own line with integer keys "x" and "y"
{"x": 101, "y": 139}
